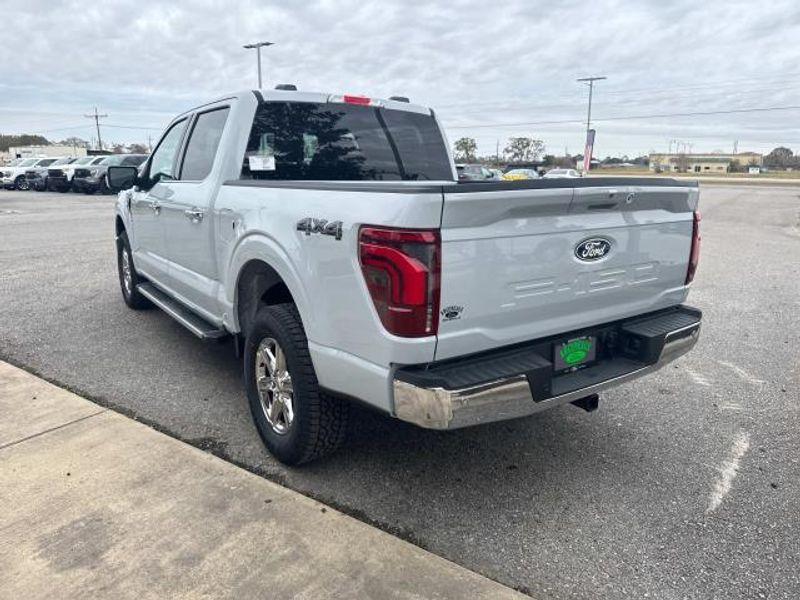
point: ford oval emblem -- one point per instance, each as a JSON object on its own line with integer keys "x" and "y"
{"x": 592, "y": 249}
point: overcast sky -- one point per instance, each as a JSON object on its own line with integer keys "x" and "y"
{"x": 484, "y": 66}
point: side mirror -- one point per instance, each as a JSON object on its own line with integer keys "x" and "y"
{"x": 121, "y": 178}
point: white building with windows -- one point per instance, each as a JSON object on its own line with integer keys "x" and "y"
{"x": 45, "y": 151}
{"x": 703, "y": 163}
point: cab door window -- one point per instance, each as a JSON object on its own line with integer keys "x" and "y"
{"x": 162, "y": 164}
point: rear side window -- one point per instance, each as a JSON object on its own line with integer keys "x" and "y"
{"x": 203, "y": 144}
{"x": 310, "y": 141}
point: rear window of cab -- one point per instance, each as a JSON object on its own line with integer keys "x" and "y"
{"x": 330, "y": 141}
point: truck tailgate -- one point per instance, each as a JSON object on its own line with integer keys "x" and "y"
{"x": 515, "y": 266}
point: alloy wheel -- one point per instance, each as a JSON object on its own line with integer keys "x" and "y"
{"x": 127, "y": 275}
{"x": 274, "y": 384}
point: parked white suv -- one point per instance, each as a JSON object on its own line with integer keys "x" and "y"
{"x": 328, "y": 234}
{"x": 13, "y": 177}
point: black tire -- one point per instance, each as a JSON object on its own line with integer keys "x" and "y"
{"x": 320, "y": 421}
{"x": 103, "y": 188}
{"x": 20, "y": 183}
{"x": 130, "y": 294}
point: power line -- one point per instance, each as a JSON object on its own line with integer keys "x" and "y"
{"x": 631, "y": 117}
{"x": 84, "y": 126}
{"x": 656, "y": 97}
{"x": 133, "y": 127}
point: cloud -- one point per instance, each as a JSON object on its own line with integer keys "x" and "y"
{"x": 477, "y": 63}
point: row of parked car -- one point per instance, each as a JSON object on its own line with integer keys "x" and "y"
{"x": 477, "y": 172}
{"x": 86, "y": 174}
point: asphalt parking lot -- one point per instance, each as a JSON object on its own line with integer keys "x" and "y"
{"x": 685, "y": 484}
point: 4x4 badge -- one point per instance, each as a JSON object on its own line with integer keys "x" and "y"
{"x": 322, "y": 226}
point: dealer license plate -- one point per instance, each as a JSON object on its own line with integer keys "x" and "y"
{"x": 574, "y": 353}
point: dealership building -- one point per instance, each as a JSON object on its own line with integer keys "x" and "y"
{"x": 703, "y": 163}
{"x": 45, "y": 151}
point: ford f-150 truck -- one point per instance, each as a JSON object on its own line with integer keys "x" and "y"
{"x": 330, "y": 237}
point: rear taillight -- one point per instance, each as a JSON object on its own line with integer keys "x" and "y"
{"x": 402, "y": 268}
{"x": 694, "y": 254}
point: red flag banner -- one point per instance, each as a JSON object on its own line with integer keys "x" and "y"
{"x": 587, "y": 154}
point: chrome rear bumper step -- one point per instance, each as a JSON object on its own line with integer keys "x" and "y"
{"x": 194, "y": 323}
{"x": 449, "y": 402}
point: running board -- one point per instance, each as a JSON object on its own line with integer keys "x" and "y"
{"x": 194, "y": 323}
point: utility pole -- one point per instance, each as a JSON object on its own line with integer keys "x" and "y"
{"x": 590, "y": 81}
{"x": 587, "y": 153}
{"x": 258, "y": 46}
{"x": 97, "y": 118}
{"x": 150, "y": 143}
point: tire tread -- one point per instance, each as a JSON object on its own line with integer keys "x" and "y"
{"x": 327, "y": 415}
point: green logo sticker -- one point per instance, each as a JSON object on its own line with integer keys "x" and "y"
{"x": 576, "y": 351}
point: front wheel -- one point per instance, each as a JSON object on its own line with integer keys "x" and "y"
{"x": 296, "y": 420}
{"x": 128, "y": 277}
{"x": 21, "y": 183}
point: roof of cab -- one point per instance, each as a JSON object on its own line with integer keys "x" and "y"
{"x": 273, "y": 95}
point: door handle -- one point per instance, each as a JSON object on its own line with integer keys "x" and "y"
{"x": 195, "y": 215}
{"x": 156, "y": 206}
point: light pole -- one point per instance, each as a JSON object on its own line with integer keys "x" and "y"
{"x": 258, "y": 46}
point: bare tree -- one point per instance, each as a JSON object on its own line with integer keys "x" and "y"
{"x": 465, "y": 148}
{"x": 138, "y": 149}
{"x": 524, "y": 149}
{"x": 781, "y": 157}
{"x": 75, "y": 142}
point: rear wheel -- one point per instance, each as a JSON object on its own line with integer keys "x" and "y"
{"x": 128, "y": 278}
{"x": 296, "y": 420}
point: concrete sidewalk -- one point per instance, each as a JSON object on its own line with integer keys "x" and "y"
{"x": 93, "y": 504}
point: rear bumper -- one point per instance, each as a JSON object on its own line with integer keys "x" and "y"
{"x": 640, "y": 346}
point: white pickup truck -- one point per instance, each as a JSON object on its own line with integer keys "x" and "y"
{"x": 329, "y": 235}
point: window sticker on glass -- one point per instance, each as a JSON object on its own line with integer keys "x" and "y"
{"x": 264, "y": 158}
{"x": 261, "y": 163}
